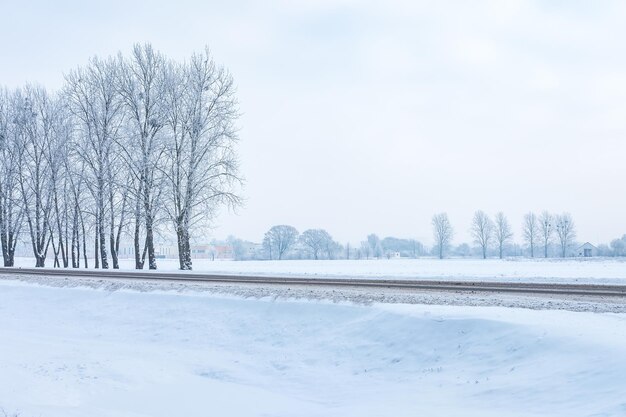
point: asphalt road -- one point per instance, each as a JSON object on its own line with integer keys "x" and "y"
{"x": 408, "y": 285}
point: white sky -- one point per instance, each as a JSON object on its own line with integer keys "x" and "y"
{"x": 363, "y": 117}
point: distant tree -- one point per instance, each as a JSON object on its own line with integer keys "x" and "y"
{"x": 375, "y": 245}
{"x": 546, "y": 230}
{"x": 442, "y": 232}
{"x": 530, "y": 230}
{"x": 605, "y": 250}
{"x": 463, "y": 250}
{"x": 267, "y": 246}
{"x": 565, "y": 232}
{"x": 503, "y": 232}
{"x": 316, "y": 241}
{"x": 279, "y": 239}
{"x": 618, "y": 246}
{"x": 239, "y": 251}
{"x": 482, "y": 231}
{"x": 515, "y": 249}
{"x": 348, "y": 250}
{"x": 332, "y": 248}
{"x": 417, "y": 248}
{"x": 365, "y": 249}
{"x": 405, "y": 247}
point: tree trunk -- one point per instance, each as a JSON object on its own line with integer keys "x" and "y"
{"x": 10, "y": 258}
{"x": 113, "y": 242}
{"x": 136, "y": 239}
{"x": 74, "y": 252}
{"x": 102, "y": 243}
{"x": 66, "y": 239}
{"x": 75, "y": 240}
{"x": 55, "y": 250}
{"x": 138, "y": 259}
{"x": 95, "y": 251}
{"x": 82, "y": 225}
{"x": 5, "y": 248}
{"x": 150, "y": 239}
{"x": 184, "y": 248}
{"x": 114, "y": 257}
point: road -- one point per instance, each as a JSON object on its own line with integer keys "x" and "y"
{"x": 618, "y": 291}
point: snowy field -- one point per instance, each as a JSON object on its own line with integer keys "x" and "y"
{"x": 593, "y": 270}
{"x": 75, "y": 352}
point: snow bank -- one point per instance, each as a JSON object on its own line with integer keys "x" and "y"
{"x": 81, "y": 352}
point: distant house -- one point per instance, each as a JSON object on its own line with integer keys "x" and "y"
{"x": 249, "y": 250}
{"x": 161, "y": 251}
{"x": 223, "y": 252}
{"x": 212, "y": 251}
{"x": 166, "y": 252}
{"x": 201, "y": 251}
{"x": 587, "y": 250}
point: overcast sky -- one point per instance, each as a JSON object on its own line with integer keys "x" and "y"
{"x": 363, "y": 117}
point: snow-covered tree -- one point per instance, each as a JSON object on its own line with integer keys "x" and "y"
{"x": 131, "y": 139}
{"x": 482, "y": 231}
{"x": 200, "y": 164}
{"x": 442, "y": 232}
{"x": 546, "y": 231}
{"x": 565, "y": 231}
{"x": 11, "y": 212}
{"x": 317, "y": 241}
{"x": 502, "y": 232}
{"x": 36, "y": 117}
{"x": 376, "y": 248}
{"x": 141, "y": 84}
{"x": 57, "y": 153}
{"x": 618, "y": 246}
{"x": 94, "y": 100}
{"x": 279, "y": 239}
{"x": 365, "y": 250}
{"x": 530, "y": 229}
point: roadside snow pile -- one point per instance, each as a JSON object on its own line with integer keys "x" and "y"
{"x": 69, "y": 352}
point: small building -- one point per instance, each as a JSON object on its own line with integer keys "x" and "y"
{"x": 201, "y": 252}
{"x": 212, "y": 251}
{"x": 249, "y": 250}
{"x": 586, "y": 250}
{"x": 224, "y": 252}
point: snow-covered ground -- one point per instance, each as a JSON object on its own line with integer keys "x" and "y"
{"x": 596, "y": 270}
{"x": 69, "y": 352}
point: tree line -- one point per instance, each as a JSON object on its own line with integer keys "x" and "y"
{"x": 285, "y": 242}
{"x": 131, "y": 145}
{"x": 543, "y": 235}
{"x": 539, "y": 232}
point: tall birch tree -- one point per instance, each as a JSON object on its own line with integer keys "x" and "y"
{"x": 11, "y": 212}
{"x": 141, "y": 85}
{"x": 201, "y": 168}
{"x": 94, "y": 100}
